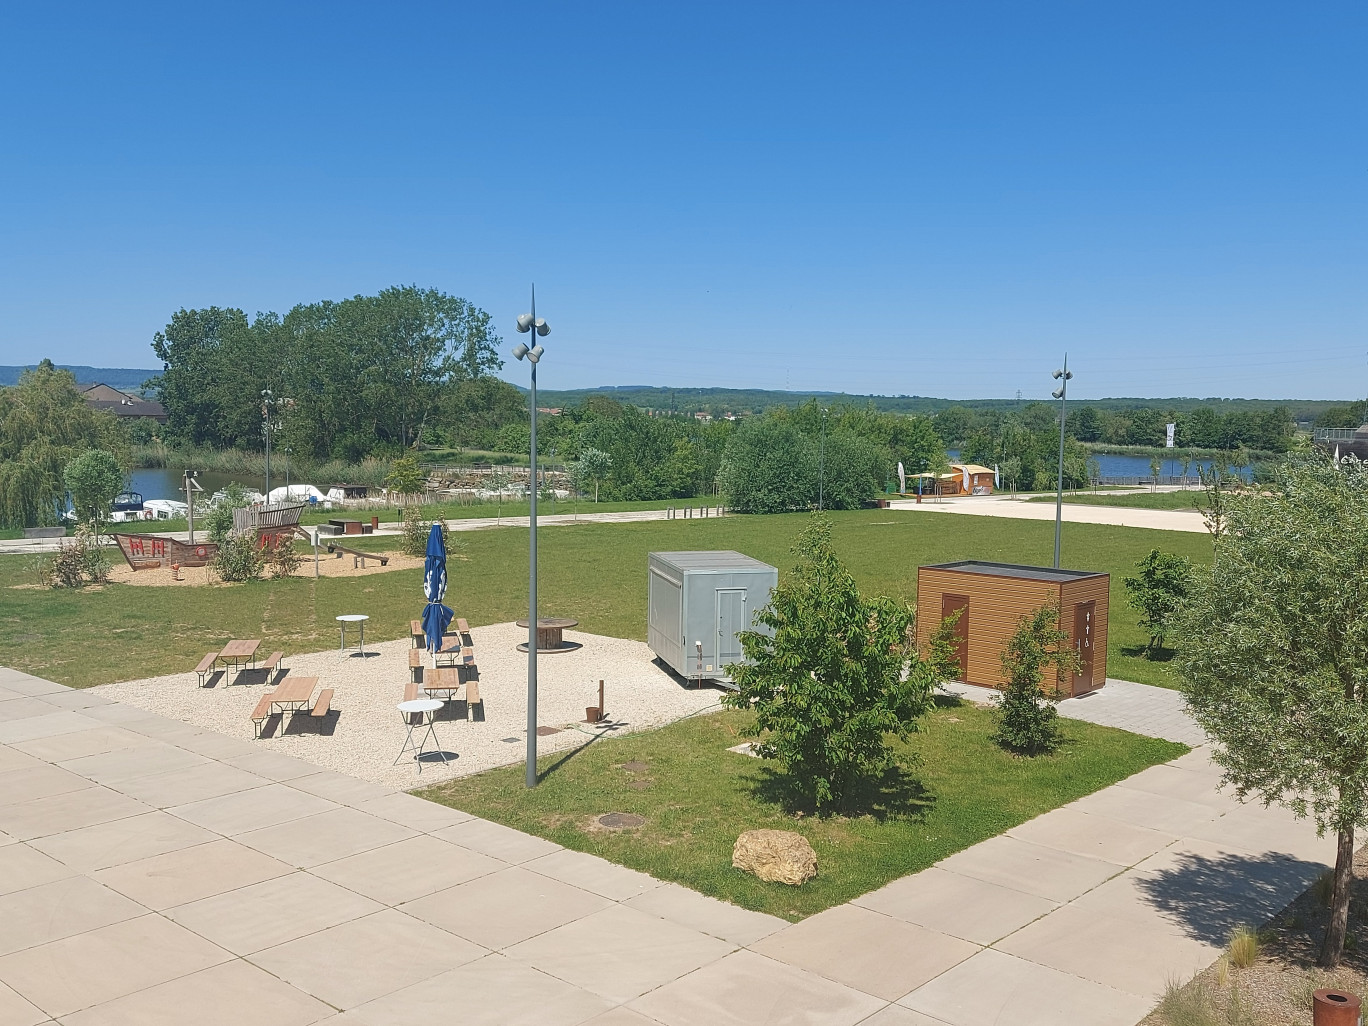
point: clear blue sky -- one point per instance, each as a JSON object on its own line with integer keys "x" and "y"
{"x": 929, "y": 198}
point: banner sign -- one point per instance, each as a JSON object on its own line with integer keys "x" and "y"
{"x": 1169, "y": 444}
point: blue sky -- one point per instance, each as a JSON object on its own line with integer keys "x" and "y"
{"x": 920, "y": 198}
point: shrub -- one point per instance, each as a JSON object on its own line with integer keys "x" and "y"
{"x": 1157, "y": 592}
{"x": 1026, "y": 717}
{"x": 769, "y": 466}
{"x": 239, "y": 559}
{"x": 281, "y": 559}
{"x": 219, "y": 518}
{"x": 1243, "y": 949}
{"x": 76, "y": 563}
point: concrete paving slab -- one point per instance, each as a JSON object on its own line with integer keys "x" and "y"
{"x": 358, "y": 961}
{"x": 15, "y": 1011}
{"x": 959, "y": 906}
{"x": 218, "y": 746}
{"x": 1255, "y": 829}
{"x": 897, "y": 1015}
{"x": 497, "y": 841}
{"x": 164, "y": 790}
{"x": 619, "y": 953}
{"x": 995, "y": 987}
{"x": 408, "y": 869}
{"x": 253, "y": 809}
{"x": 124, "y": 764}
{"x": 95, "y": 741}
{"x": 506, "y": 907}
{"x": 707, "y": 915}
{"x": 414, "y": 812}
{"x": 746, "y": 988}
{"x": 63, "y": 908}
{"x": 327, "y": 837}
{"x": 69, "y": 811}
{"x": 22, "y": 867}
{"x": 1189, "y": 785}
{"x": 272, "y": 765}
{"x": 621, "y": 1016}
{"x": 1141, "y": 808}
{"x": 74, "y": 698}
{"x": 11, "y": 758}
{"x": 121, "y": 840}
{"x": 230, "y": 994}
{"x": 1097, "y": 837}
{"x": 866, "y": 950}
{"x": 124, "y": 715}
{"x": 59, "y": 721}
{"x": 23, "y": 708}
{"x": 39, "y": 781}
{"x": 100, "y": 965}
{"x": 593, "y": 874}
{"x": 189, "y": 874}
{"x": 493, "y": 991}
{"x": 26, "y": 684}
{"x": 270, "y": 913}
{"x": 1139, "y": 958}
{"x": 1030, "y": 868}
{"x": 339, "y": 788}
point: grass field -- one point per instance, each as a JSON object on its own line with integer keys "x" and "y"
{"x": 952, "y": 788}
{"x": 593, "y": 572}
{"x": 1137, "y": 500}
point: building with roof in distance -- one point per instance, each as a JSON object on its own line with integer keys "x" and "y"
{"x": 967, "y": 479}
{"x": 123, "y": 404}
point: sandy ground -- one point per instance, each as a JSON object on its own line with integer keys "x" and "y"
{"x": 364, "y": 733}
{"x": 338, "y": 565}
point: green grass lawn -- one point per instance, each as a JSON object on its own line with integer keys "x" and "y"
{"x": 593, "y": 572}
{"x": 952, "y": 788}
{"x": 1137, "y": 500}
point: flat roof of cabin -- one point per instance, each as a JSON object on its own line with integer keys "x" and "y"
{"x": 1032, "y": 573}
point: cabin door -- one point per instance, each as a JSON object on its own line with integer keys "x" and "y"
{"x": 731, "y": 610}
{"x": 950, "y": 605}
{"x": 1084, "y": 617}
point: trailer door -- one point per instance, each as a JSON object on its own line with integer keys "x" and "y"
{"x": 731, "y": 618}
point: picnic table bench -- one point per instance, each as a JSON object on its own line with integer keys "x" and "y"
{"x": 294, "y": 696}
{"x": 206, "y": 666}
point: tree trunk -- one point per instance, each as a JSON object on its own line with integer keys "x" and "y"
{"x": 1332, "y": 950}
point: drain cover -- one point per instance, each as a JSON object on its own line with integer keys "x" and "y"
{"x": 635, "y": 767}
{"x": 638, "y": 785}
{"x": 621, "y": 820}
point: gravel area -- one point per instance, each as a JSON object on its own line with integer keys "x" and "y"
{"x": 364, "y": 733}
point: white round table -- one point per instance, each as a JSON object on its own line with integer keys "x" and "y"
{"x": 360, "y": 620}
{"x": 426, "y": 708}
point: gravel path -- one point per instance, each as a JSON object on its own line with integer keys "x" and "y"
{"x": 365, "y": 732}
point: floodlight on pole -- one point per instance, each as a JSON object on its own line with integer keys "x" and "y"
{"x": 1061, "y": 393}
{"x": 529, "y": 322}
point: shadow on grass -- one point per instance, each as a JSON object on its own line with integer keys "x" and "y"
{"x": 565, "y": 758}
{"x": 1209, "y": 897}
{"x": 893, "y": 794}
{"x": 1158, "y": 655}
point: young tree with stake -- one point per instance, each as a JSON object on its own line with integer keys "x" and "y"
{"x": 1273, "y": 649}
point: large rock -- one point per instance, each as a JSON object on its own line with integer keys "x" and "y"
{"x": 779, "y": 856}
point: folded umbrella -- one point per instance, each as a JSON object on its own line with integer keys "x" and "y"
{"x": 436, "y": 617}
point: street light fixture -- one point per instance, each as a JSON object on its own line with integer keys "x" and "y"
{"x": 1061, "y": 393}
{"x": 529, "y": 322}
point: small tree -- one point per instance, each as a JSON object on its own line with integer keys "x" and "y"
{"x": 406, "y": 477}
{"x": 839, "y": 674}
{"x": 219, "y": 519}
{"x": 1274, "y": 654}
{"x": 239, "y": 559}
{"x": 1156, "y": 465}
{"x": 1215, "y": 501}
{"x": 94, "y": 480}
{"x": 593, "y": 465}
{"x": 1157, "y": 592}
{"x": 1026, "y": 716}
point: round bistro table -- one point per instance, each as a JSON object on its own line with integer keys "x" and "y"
{"x": 360, "y": 620}
{"x": 426, "y": 708}
{"x": 549, "y": 638}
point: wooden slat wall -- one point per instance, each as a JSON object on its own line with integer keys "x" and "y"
{"x": 1089, "y": 589}
{"x": 996, "y": 606}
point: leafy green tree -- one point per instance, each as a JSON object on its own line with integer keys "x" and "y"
{"x": 830, "y": 674}
{"x": 218, "y": 521}
{"x": 94, "y": 479}
{"x": 1157, "y": 592}
{"x": 1027, "y": 717}
{"x": 44, "y": 424}
{"x": 769, "y": 466}
{"x": 1273, "y": 655}
{"x": 593, "y": 465}
{"x": 406, "y": 477}
{"x": 853, "y": 470}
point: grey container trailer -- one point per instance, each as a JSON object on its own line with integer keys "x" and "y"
{"x": 697, "y": 602}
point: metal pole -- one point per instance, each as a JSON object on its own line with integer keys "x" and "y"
{"x": 189, "y": 508}
{"x": 1059, "y": 487}
{"x": 266, "y": 430}
{"x": 532, "y": 579}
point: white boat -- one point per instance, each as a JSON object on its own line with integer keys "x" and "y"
{"x": 164, "y": 509}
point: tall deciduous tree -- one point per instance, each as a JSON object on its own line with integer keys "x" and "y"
{"x": 94, "y": 479}
{"x": 1274, "y": 654}
{"x": 769, "y": 466}
{"x": 834, "y": 675}
{"x": 1157, "y": 592}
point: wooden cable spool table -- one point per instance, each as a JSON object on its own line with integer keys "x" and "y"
{"x": 549, "y": 638}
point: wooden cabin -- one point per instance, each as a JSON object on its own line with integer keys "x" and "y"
{"x": 980, "y": 480}
{"x": 992, "y": 599}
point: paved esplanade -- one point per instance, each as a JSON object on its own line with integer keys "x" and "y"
{"x": 153, "y": 873}
{"x": 1073, "y": 512}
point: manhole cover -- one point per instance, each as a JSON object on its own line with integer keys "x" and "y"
{"x": 635, "y": 767}
{"x": 621, "y": 820}
{"x": 638, "y": 784}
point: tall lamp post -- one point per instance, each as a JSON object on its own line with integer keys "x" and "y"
{"x": 529, "y": 322}
{"x": 1061, "y": 393}
{"x": 267, "y": 399}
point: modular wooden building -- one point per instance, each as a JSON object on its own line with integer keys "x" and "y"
{"x": 992, "y": 598}
{"x": 966, "y": 479}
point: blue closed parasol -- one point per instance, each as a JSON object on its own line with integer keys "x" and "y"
{"x": 436, "y": 617}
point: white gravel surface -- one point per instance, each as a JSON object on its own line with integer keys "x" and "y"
{"x": 365, "y": 732}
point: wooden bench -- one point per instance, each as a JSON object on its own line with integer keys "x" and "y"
{"x": 273, "y": 663}
{"x": 206, "y": 666}
{"x": 263, "y": 711}
{"x": 461, "y": 625}
{"x": 415, "y": 665}
{"x": 410, "y": 692}
{"x": 320, "y": 708}
{"x": 473, "y": 694}
{"x": 416, "y": 633}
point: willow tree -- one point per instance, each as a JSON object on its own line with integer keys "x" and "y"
{"x": 44, "y": 424}
{"x": 1274, "y": 654}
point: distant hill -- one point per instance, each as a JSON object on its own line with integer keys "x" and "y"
{"x": 127, "y": 379}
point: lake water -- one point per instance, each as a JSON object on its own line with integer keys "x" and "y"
{"x": 1116, "y": 465}
{"x": 163, "y": 483}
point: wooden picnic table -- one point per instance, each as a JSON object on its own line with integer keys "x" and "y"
{"x": 294, "y": 693}
{"x": 442, "y": 678}
{"x": 237, "y": 652}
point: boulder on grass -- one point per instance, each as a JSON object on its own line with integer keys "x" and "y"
{"x": 778, "y": 856}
